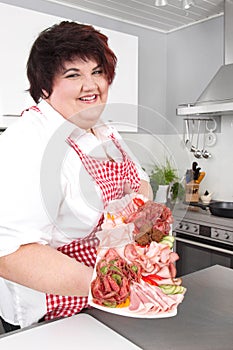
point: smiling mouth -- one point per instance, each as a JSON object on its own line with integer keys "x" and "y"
{"x": 88, "y": 98}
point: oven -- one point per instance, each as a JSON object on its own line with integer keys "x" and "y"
{"x": 201, "y": 246}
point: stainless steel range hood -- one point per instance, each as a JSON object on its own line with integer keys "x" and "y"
{"x": 217, "y": 98}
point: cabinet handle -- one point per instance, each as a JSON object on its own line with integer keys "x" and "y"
{"x": 202, "y": 245}
{"x": 11, "y": 115}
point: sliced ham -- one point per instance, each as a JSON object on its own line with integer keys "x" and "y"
{"x": 173, "y": 257}
{"x": 165, "y": 254}
{"x": 145, "y": 298}
{"x": 140, "y": 303}
{"x": 157, "y": 258}
{"x": 130, "y": 252}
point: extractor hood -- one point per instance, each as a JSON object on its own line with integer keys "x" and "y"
{"x": 217, "y": 98}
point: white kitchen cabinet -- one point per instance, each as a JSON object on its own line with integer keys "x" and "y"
{"x": 18, "y": 29}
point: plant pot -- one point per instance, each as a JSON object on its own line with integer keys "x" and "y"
{"x": 162, "y": 193}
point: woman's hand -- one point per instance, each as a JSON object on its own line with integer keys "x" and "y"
{"x": 146, "y": 190}
{"x": 47, "y": 270}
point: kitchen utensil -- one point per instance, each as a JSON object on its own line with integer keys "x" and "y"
{"x": 206, "y": 198}
{"x": 205, "y": 154}
{"x": 197, "y": 153}
{"x": 211, "y": 138}
{"x": 224, "y": 209}
{"x": 200, "y": 177}
{"x": 196, "y": 173}
{"x": 192, "y": 148}
{"x": 194, "y": 166}
{"x": 187, "y": 138}
{"x": 217, "y": 208}
{"x": 189, "y": 175}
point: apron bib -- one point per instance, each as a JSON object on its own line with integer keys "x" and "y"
{"x": 111, "y": 177}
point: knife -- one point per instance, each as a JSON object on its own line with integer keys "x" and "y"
{"x": 196, "y": 173}
{"x": 194, "y": 166}
{"x": 200, "y": 177}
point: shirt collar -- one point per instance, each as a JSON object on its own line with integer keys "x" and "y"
{"x": 56, "y": 120}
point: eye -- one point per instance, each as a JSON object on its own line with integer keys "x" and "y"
{"x": 97, "y": 72}
{"x": 72, "y": 75}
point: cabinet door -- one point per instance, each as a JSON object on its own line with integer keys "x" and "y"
{"x": 18, "y": 29}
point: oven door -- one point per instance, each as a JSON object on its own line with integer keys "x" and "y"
{"x": 197, "y": 253}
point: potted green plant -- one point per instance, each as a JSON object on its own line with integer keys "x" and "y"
{"x": 177, "y": 191}
{"x": 161, "y": 177}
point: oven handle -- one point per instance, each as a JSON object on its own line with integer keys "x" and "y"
{"x": 204, "y": 245}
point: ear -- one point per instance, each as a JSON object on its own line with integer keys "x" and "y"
{"x": 45, "y": 94}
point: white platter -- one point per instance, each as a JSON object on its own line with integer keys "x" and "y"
{"x": 126, "y": 312}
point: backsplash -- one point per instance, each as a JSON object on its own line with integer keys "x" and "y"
{"x": 154, "y": 149}
{"x": 151, "y": 149}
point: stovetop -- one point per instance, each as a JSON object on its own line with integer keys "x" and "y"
{"x": 195, "y": 221}
{"x": 200, "y": 216}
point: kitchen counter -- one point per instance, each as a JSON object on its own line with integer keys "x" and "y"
{"x": 204, "y": 321}
{"x": 81, "y": 331}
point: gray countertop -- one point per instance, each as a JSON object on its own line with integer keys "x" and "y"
{"x": 204, "y": 320}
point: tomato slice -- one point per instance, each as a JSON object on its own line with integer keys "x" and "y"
{"x": 139, "y": 202}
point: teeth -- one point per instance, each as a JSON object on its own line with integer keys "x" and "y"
{"x": 88, "y": 98}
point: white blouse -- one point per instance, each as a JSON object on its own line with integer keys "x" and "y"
{"x": 47, "y": 196}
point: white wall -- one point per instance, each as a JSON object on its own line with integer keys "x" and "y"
{"x": 153, "y": 149}
{"x": 194, "y": 55}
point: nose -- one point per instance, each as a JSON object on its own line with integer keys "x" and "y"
{"x": 88, "y": 83}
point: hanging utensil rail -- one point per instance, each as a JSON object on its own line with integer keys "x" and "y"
{"x": 209, "y": 138}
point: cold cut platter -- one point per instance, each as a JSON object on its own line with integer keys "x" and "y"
{"x": 123, "y": 299}
{"x": 135, "y": 274}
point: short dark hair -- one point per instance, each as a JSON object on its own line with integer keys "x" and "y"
{"x": 64, "y": 42}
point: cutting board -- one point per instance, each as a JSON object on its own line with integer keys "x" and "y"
{"x": 78, "y": 332}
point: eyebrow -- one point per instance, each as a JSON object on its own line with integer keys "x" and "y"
{"x": 78, "y": 70}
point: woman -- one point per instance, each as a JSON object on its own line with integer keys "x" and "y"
{"x": 60, "y": 167}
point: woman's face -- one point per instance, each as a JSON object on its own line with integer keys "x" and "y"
{"x": 80, "y": 92}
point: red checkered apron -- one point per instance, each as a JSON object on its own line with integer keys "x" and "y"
{"x": 111, "y": 177}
